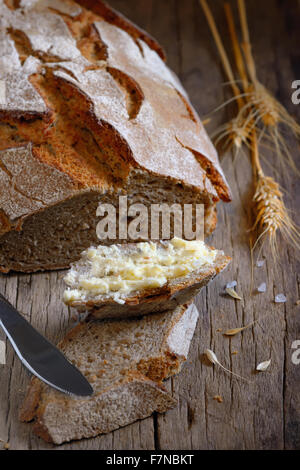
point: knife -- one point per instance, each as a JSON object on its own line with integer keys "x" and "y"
{"x": 39, "y": 355}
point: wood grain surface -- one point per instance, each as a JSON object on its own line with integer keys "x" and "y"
{"x": 265, "y": 412}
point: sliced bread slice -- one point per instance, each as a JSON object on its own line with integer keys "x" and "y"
{"x": 136, "y": 279}
{"x": 125, "y": 361}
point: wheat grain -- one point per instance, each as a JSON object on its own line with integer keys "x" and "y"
{"x": 258, "y": 119}
{"x": 271, "y": 214}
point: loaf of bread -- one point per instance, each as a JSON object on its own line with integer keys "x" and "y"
{"x": 89, "y": 111}
{"x": 135, "y": 279}
{"x": 126, "y": 362}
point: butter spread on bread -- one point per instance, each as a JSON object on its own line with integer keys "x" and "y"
{"x": 138, "y": 278}
{"x": 113, "y": 270}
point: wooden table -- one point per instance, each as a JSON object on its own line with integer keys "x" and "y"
{"x": 263, "y": 414}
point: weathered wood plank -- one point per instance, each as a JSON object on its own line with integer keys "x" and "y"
{"x": 262, "y": 414}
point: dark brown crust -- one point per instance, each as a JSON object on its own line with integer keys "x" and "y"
{"x": 210, "y": 220}
{"x": 213, "y": 175}
{"x": 112, "y": 16}
{"x": 41, "y": 431}
{"x": 31, "y": 402}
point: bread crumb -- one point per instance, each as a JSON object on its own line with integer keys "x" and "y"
{"x": 219, "y": 329}
{"x": 262, "y": 287}
{"x": 234, "y": 352}
{"x": 280, "y": 298}
{"x": 6, "y": 445}
{"x": 218, "y": 398}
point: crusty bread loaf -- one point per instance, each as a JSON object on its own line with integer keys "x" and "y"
{"x": 175, "y": 291}
{"x": 89, "y": 110}
{"x": 125, "y": 361}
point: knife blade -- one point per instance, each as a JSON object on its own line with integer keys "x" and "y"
{"x": 41, "y": 357}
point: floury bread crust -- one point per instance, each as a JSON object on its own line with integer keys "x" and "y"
{"x": 126, "y": 362}
{"x": 89, "y": 110}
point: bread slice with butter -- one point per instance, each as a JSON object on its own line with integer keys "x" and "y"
{"x": 136, "y": 279}
{"x": 126, "y": 362}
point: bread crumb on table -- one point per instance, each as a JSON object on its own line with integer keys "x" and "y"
{"x": 218, "y": 398}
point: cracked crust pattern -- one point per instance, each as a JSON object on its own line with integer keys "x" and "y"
{"x": 87, "y": 96}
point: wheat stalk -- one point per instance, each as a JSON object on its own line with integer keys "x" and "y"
{"x": 256, "y": 105}
{"x": 237, "y": 131}
{"x": 224, "y": 58}
{"x": 271, "y": 213}
{"x": 259, "y": 113}
{"x": 266, "y": 109}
